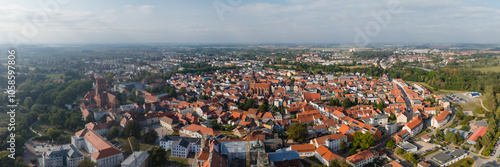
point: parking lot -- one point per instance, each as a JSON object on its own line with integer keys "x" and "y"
{"x": 424, "y": 147}
{"x": 458, "y": 98}
{"x": 497, "y": 144}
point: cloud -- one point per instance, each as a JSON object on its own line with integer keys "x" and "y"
{"x": 259, "y": 21}
{"x": 143, "y": 9}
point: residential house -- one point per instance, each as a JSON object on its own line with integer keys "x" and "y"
{"x": 332, "y": 141}
{"x": 181, "y": 146}
{"x": 324, "y": 155}
{"x": 414, "y": 126}
{"x": 305, "y": 150}
{"x": 196, "y": 131}
{"x": 441, "y": 119}
{"x": 362, "y": 158}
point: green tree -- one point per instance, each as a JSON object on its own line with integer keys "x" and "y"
{"x": 439, "y": 133}
{"x": 399, "y": 151}
{"x": 133, "y": 128}
{"x": 334, "y": 102}
{"x": 459, "y": 114}
{"x": 380, "y": 106}
{"x": 318, "y": 165}
{"x": 53, "y": 133}
{"x": 183, "y": 90}
{"x": 340, "y": 163}
{"x": 363, "y": 140}
{"x": 343, "y": 145}
{"x": 172, "y": 93}
{"x": 298, "y": 132}
{"x": 150, "y": 136}
{"x": 33, "y": 160}
{"x": 466, "y": 163}
{"x": 411, "y": 157}
{"x": 263, "y": 108}
{"x": 392, "y": 117}
{"x": 86, "y": 163}
{"x": 131, "y": 141}
{"x": 191, "y": 100}
{"x": 458, "y": 137}
{"x": 450, "y": 137}
{"x": 353, "y": 151}
{"x": 390, "y": 144}
{"x": 346, "y": 103}
{"x": 114, "y": 132}
{"x": 478, "y": 145}
{"x": 158, "y": 156}
{"x": 28, "y": 102}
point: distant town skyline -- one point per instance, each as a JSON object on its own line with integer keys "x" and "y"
{"x": 238, "y": 21}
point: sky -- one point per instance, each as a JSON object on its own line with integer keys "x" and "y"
{"x": 249, "y": 21}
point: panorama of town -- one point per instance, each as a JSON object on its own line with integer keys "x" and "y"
{"x": 259, "y": 106}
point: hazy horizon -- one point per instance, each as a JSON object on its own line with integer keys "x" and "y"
{"x": 251, "y": 22}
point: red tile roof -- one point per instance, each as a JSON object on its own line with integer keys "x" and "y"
{"x": 303, "y": 147}
{"x": 327, "y": 154}
{"x": 344, "y": 128}
{"x": 442, "y": 116}
{"x": 104, "y": 148}
{"x": 479, "y": 132}
{"x": 202, "y": 129}
{"x": 321, "y": 140}
{"x": 416, "y": 121}
{"x": 360, "y": 156}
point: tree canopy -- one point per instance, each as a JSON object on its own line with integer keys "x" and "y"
{"x": 298, "y": 132}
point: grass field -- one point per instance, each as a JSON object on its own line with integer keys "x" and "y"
{"x": 41, "y": 128}
{"x": 143, "y": 146}
{"x": 356, "y": 66}
{"x": 459, "y": 163}
{"x": 471, "y": 106}
{"x": 54, "y": 76}
{"x": 486, "y": 69}
{"x": 440, "y": 91}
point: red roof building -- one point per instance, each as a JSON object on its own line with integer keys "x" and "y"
{"x": 479, "y": 132}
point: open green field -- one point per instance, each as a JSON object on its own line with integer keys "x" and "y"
{"x": 459, "y": 163}
{"x": 54, "y": 76}
{"x": 356, "y": 66}
{"x": 143, "y": 146}
{"x": 471, "y": 106}
{"x": 486, "y": 69}
{"x": 41, "y": 128}
{"x": 440, "y": 91}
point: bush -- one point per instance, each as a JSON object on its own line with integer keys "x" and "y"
{"x": 400, "y": 151}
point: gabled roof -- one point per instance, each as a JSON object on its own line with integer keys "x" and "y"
{"x": 327, "y": 154}
{"x": 303, "y": 147}
{"x": 104, "y": 148}
{"x": 322, "y": 140}
{"x": 268, "y": 115}
{"x": 202, "y": 129}
{"x": 479, "y": 132}
{"x": 344, "y": 129}
{"x": 416, "y": 121}
{"x": 354, "y": 159}
{"x": 442, "y": 116}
